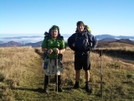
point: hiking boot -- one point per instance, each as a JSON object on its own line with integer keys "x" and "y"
{"x": 88, "y": 89}
{"x": 46, "y": 84}
{"x": 59, "y": 84}
{"x": 59, "y": 89}
{"x": 76, "y": 86}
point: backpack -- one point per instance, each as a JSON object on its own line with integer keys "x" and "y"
{"x": 59, "y": 38}
{"x": 86, "y": 44}
{"x": 87, "y": 28}
{"x": 48, "y": 35}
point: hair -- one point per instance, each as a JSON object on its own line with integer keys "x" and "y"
{"x": 53, "y": 27}
{"x": 80, "y": 23}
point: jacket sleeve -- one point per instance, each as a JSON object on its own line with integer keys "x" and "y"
{"x": 63, "y": 44}
{"x": 44, "y": 43}
{"x": 71, "y": 42}
{"x": 94, "y": 42}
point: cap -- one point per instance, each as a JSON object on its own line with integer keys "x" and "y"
{"x": 80, "y": 23}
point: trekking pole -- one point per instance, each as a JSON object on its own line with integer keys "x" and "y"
{"x": 57, "y": 73}
{"x": 101, "y": 73}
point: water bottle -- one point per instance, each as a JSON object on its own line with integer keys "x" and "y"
{"x": 45, "y": 64}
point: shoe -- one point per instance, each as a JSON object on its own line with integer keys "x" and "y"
{"x": 46, "y": 84}
{"x": 88, "y": 89}
{"x": 60, "y": 89}
{"x": 76, "y": 86}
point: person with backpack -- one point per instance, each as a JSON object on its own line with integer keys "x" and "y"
{"x": 53, "y": 46}
{"x": 82, "y": 42}
{"x": 86, "y": 28}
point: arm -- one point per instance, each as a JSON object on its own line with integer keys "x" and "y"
{"x": 71, "y": 42}
{"x": 61, "y": 50}
{"x": 44, "y": 47}
{"x": 63, "y": 47}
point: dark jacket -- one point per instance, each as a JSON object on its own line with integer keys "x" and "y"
{"x": 77, "y": 42}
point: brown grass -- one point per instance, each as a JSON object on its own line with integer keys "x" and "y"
{"x": 21, "y": 74}
{"x": 17, "y": 65}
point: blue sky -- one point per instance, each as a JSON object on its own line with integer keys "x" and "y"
{"x": 115, "y": 17}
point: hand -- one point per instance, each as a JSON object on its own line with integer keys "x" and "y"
{"x": 50, "y": 51}
{"x": 57, "y": 51}
{"x": 44, "y": 49}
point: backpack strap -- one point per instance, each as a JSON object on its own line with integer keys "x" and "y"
{"x": 59, "y": 38}
{"x": 47, "y": 38}
{"x": 84, "y": 34}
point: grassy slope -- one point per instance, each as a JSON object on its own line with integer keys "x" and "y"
{"x": 21, "y": 78}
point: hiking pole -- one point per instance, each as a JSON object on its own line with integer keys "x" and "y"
{"x": 57, "y": 73}
{"x": 101, "y": 73}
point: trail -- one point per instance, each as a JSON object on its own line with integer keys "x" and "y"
{"x": 32, "y": 89}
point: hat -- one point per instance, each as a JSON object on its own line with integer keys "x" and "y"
{"x": 54, "y": 27}
{"x": 80, "y": 23}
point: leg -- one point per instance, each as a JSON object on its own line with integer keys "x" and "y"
{"x": 78, "y": 67}
{"x": 77, "y": 79}
{"x": 77, "y": 75}
{"x": 87, "y": 75}
{"x": 59, "y": 83}
{"x": 46, "y": 83}
{"x": 86, "y": 67}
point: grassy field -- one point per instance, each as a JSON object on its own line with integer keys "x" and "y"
{"x": 22, "y": 77}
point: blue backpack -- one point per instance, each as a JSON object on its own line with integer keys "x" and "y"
{"x": 82, "y": 43}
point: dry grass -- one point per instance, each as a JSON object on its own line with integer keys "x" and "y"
{"x": 21, "y": 77}
{"x": 16, "y": 65}
{"x": 119, "y": 47}
{"x": 116, "y": 45}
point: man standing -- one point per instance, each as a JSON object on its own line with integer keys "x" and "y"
{"x": 53, "y": 46}
{"x": 82, "y": 42}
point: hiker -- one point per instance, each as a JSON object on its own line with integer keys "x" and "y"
{"x": 82, "y": 42}
{"x": 53, "y": 46}
{"x": 86, "y": 28}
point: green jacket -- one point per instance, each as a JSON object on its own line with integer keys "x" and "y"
{"x": 52, "y": 44}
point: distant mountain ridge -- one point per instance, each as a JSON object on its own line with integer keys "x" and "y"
{"x": 10, "y": 44}
{"x": 37, "y": 44}
{"x": 105, "y": 38}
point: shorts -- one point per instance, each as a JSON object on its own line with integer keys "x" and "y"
{"x": 52, "y": 68}
{"x": 82, "y": 62}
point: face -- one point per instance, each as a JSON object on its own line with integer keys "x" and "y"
{"x": 80, "y": 28}
{"x": 54, "y": 33}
